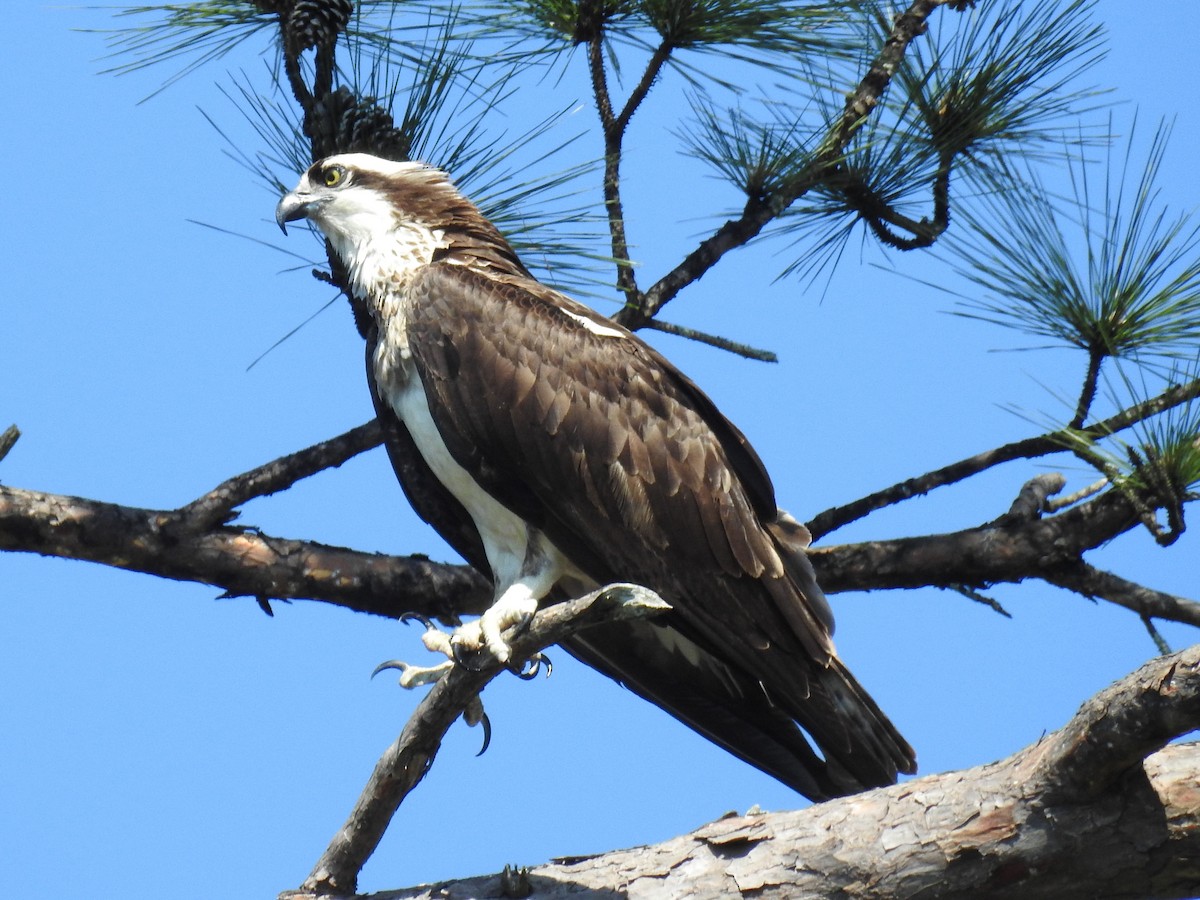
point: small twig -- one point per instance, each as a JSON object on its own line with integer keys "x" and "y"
{"x": 406, "y": 761}
{"x": 712, "y": 340}
{"x": 881, "y": 217}
{"x": 614, "y": 130}
{"x": 1057, "y": 503}
{"x": 1159, "y": 641}
{"x": 1087, "y": 393}
{"x": 989, "y": 602}
{"x": 1028, "y": 448}
{"x": 215, "y": 507}
{"x": 8, "y": 438}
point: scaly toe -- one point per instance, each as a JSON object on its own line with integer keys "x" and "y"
{"x": 413, "y": 676}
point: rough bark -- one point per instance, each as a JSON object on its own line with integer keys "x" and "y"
{"x": 1077, "y": 814}
{"x": 245, "y": 562}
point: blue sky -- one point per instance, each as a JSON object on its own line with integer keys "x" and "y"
{"x": 159, "y": 742}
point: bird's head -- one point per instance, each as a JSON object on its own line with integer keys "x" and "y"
{"x": 362, "y": 202}
{"x": 352, "y": 193}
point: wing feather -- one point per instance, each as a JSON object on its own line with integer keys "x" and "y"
{"x": 592, "y": 436}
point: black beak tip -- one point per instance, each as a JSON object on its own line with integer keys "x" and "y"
{"x": 290, "y": 209}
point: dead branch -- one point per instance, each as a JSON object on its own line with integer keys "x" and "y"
{"x": 218, "y": 505}
{"x": 1064, "y": 818}
{"x": 245, "y": 562}
{"x": 242, "y": 562}
{"x": 455, "y": 695}
{"x": 1146, "y": 602}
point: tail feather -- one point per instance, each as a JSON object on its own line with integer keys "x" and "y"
{"x": 734, "y": 711}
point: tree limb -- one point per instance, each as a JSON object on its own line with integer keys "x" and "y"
{"x": 1146, "y": 602}
{"x": 1120, "y": 828}
{"x": 246, "y": 562}
{"x": 1028, "y": 448}
{"x": 217, "y": 506}
{"x": 406, "y": 761}
{"x": 760, "y": 211}
{"x": 241, "y": 561}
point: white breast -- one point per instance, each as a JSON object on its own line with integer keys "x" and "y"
{"x": 505, "y": 535}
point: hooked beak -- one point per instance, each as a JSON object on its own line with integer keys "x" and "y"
{"x": 293, "y": 206}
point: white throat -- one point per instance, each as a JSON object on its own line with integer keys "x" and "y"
{"x": 379, "y": 251}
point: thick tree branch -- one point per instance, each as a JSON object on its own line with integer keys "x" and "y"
{"x": 245, "y": 562}
{"x": 1119, "y": 727}
{"x": 455, "y": 695}
{"x": 1122, "y": 828}
{"x": 1004, "y": 550}
{"x": 242, "y": 562}
{"x": 1028, "y": 448}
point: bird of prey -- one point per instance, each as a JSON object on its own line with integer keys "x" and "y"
{"x": 558, "y": 452}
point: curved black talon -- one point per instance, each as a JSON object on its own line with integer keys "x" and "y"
{"x": 462, "y": 659}
{"x": 487, "y": 733}
{"x": 389, "y": 664}
{"x": 531, "y": 667}
{"x": 522, "y": 625}
{"x": 410, "y": 617}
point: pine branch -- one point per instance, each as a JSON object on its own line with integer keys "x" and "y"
{"x": 1054, "y": 820}
{"x": 1029, "y": 448}
{"x": 760, "y": 211}
{"x": 613, "y": 127}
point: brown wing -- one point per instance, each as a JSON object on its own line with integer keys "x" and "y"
{"x": 632, "y": 472}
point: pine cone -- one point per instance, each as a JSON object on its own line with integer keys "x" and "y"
{"x": 317, "y": 23}
{"x": 343, "y": 123}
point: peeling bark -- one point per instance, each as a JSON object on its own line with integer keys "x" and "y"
{"x": 1003, "y": 830}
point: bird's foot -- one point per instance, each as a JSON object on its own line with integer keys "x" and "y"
{"x": 486, "y": 634}
{"x": 470, "y": 644}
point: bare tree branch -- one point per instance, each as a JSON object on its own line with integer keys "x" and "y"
{"x": 1029, "y": 448}
{"x": 1144, "y": 601}
{"x": 712, "y": 340}
{"x": 240, "y": 561}
{"x": 406, "y": 761}
{"x": 217, "y": 506}
{"x": 1068, "y": 816}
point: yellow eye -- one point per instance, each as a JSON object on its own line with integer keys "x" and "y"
{"x": 333, "y": 176}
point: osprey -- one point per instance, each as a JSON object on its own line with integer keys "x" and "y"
{"x": 557, "y": 452}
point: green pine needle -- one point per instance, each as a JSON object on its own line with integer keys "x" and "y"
{"x": 1002, "y": 76}
{"x": 1116, "y": 276}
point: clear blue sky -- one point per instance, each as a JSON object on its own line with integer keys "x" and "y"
{"x": 158, "y": 742}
